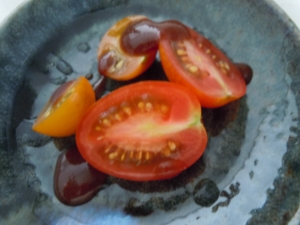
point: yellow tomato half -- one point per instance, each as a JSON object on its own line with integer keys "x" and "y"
{"x": 65, "y": 108}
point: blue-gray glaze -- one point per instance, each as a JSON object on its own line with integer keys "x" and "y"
{"x": 238, "y": 27}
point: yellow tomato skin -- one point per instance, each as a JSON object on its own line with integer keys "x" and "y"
{"x": 64, "y": 110}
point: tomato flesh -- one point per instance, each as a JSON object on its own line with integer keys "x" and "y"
{"x": 197, "y": 64}
{"x": 144, "y": 131}
{"x": 65, "y": 108}
{"x": 114, "y": 62}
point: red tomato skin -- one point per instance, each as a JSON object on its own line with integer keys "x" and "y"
{"x": 209, "y": 92}
{"x": 191, "y": 140}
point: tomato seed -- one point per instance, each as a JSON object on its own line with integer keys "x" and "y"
{"x": 181, "y": 52}
{"x": 139, "y": 155}
{"x": 224, "y": 70}
{"x": 111, "y": 70}
{"x": 106, "y": 122}
{"x": 147, "y": 156}
{"x": 58, "y": 104}
{"x": 193, "y": 69}
{"x": 141, "y": 105}
{"x": 171, "y": 145}
{"x": 166, "y": 152}
{"x": 227, "y": 66}
{"x": 47, "y": 112}
{"x": 118, "y": 117}
{"x": 123, "y": 156}
{"x": 119, "y": 64}
{"x": 107, "y": 150}
{"x": 224, "y": 65}
{"x": 127, "y": 110}
{"x": 149, "y": 107}
{"x": 113, "y": 155}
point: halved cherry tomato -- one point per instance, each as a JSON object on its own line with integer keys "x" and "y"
{"x": 197, "y": 64}
{"x": 65, "y": 108}
{"x": 145, "y": 131}
{"x": 117, "y": 64}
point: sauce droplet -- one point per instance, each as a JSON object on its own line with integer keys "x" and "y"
{"x": 89, "y": 76}
{"x": 99, "y": 86}
{"x": 106, "y": 61}
{"x": 246, "y": 71}
{"x": 174, "y": 30}
{"x": 75, "y": 181}
{"x": 140, "y": 38}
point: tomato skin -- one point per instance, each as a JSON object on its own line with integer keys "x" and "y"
{"x": 114, "y": 62}
{"x": 152, "y": 143}
{"x": 65, "y": 108}
{"x": 216, "y": 82}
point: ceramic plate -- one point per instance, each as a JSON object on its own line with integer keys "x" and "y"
{"x": 250, "y": 172}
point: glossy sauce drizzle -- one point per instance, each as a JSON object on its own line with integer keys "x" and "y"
{"x": 75, "y": 181}
{"x": 143, "y": 36}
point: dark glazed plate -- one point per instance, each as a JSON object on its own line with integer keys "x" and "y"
{"x": 250, "y": 172}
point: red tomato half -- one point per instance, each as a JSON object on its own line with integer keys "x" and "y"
{"x": 197, "y": 64}
{"x": 113, "y": 62}
{"x": 145, "y": 131}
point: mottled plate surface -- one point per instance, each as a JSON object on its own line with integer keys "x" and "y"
{"x": 250, "y": 172}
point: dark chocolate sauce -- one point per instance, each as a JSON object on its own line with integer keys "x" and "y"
{"x": 75, "y": 181}
{"x": 89, "y": 76}
{"x": 106, "y": 60}
{"x": 99, "y": 86}
{"x": 142, "y": 37}
{"x": 173, "y": 30}
{"x": 246, "y": 71}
